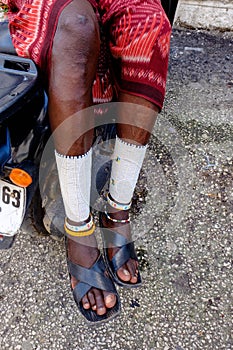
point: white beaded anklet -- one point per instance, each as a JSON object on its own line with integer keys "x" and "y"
{"x": 123, "y": 221}
{"x": 81, "y": 230}
{"x": 117, "y": 205}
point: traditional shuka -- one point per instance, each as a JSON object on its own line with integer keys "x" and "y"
{"x": 135, "y": 41}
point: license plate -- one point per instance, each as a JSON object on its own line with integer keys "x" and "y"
{"x": 12, "y": 207}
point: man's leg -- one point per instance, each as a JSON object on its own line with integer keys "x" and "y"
{"x": 140, "y": 41}
{"x": 134, "y": 128}
{"x": 73, "y": 65}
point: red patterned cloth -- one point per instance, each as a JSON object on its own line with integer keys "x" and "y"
{"x": 32, "y": 23}
{"x": 134, "y": 47}
{"x": 139, "y": 42}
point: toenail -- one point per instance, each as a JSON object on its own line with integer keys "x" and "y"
{"x": 126, "y": 272}
{"x": 109, "y": 299}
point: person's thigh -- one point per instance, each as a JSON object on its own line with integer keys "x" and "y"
{"x": 73, "y": 65}
{"x": 139, "y": 44}
{"x": 33, "y": 25}
{"x": 75, "y": 51}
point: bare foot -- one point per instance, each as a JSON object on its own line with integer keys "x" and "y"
{"x": 84, "y": 252}
{"x": 129, "y": 271}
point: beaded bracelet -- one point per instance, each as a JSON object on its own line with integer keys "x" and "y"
{"x": 117, "y": 205}
{"x": 117, "y": 220}
{"x": 80, "y": 230}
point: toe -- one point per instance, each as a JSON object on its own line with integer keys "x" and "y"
{"x": 134, "y": 279}
{"x": 91, "y": 298}
{"x": 86, "y": 303}
{"x": 100, "y": 305}
{"x": 129, "y": 271}
{"x": 132, "y": 267}
{"x": 124, "y": 274}
{"x": 109, "y": 299}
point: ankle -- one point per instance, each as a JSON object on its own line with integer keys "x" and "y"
{"x": 80, "y": 229}
{"x": 114, "y": 214}
{"x": 83, "y": 251}
{"x": 116, "y": 210}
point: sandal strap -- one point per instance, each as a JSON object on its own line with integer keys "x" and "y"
{"x": 126, "y": 250}
{"x": 114, "y": 238}
{"x": 125, "y": 253}
{"x": 90, "y": 277}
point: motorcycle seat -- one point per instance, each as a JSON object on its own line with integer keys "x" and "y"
{"x": 18, "y": 76}
{"x": 19, "y": 80}
{"x": 6, "y": 45}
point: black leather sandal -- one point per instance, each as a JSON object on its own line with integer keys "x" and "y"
{"x": 93, "y": 277}
{"x": 126, "y": 251}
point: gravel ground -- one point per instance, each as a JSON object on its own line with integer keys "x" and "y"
{"x": 184, "y": 202}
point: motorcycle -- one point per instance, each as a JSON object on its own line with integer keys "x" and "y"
{"x": 24, "y": 132}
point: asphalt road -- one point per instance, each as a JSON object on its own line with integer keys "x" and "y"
{"x": 183, "y": 218}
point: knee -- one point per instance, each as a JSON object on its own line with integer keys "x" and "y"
{"x": 78, "y": 26}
